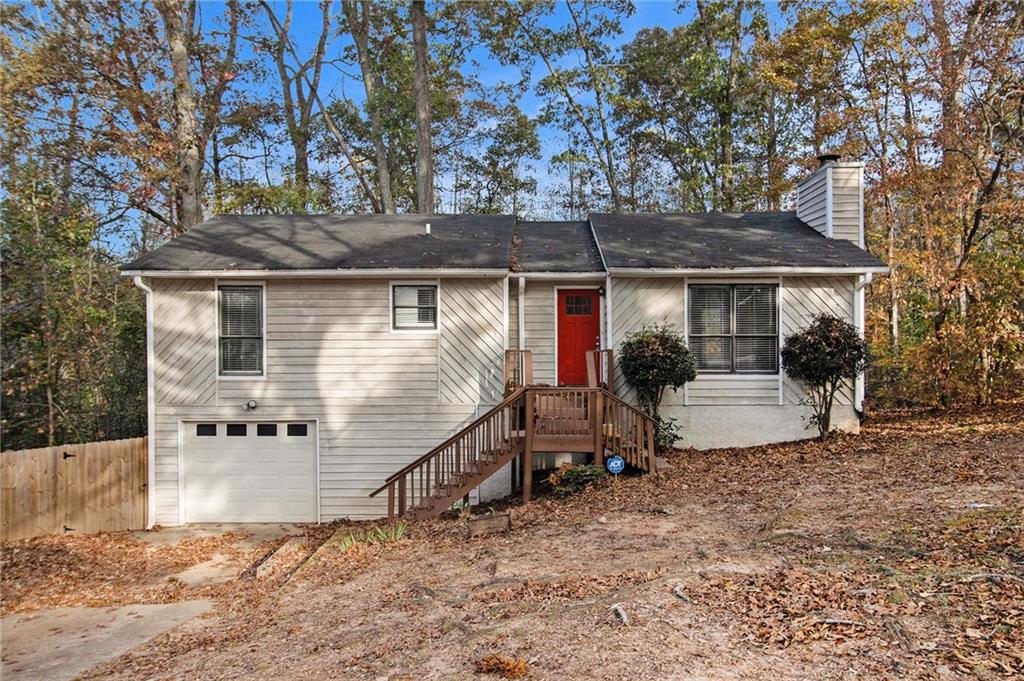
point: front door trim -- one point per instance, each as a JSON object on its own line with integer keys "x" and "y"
{"x": 600, "y": 321}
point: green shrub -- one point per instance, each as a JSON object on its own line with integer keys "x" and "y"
{"x": 571, "y": 478}
{"x": 654, "y": 359}
{"x": 823, "y": 356}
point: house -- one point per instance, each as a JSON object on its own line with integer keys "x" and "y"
{"x": 298, "y": 364}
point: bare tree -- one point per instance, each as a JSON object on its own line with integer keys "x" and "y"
{"x": 357, "y": 13}
{"x": 421, "y": 86}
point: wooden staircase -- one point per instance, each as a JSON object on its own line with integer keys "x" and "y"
{"x": 531, "y": 419}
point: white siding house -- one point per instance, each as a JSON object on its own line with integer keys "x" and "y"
{"x": 295, "y": 362}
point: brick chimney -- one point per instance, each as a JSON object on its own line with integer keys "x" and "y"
{"x": 831, "y": 199}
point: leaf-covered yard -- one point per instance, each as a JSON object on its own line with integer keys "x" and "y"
{"x": 897, "y": 553}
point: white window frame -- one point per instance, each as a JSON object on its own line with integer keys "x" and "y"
{"x": 737, "y": 375}
{"x": 263, "y": 319}
{"x": 391, "y": 307}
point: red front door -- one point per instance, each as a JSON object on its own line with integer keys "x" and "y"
{"x": 579, "y": 330}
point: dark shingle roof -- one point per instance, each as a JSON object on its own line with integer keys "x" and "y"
{"x": 555, "y": 247}
{"x": 328, "y": 242}
{"x": 720, "y": 240}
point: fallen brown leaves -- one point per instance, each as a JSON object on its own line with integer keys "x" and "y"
{"x": 506, "y": 667}
{"x": 569, "y": 588}
{"x": 104, "y": 569}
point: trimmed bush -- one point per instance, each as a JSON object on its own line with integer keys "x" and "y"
{"x": 823, "y": 356}
{"x": 654, "y": 359}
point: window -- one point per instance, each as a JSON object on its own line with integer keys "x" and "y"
{"x": 414, "y": 307}
{"x": 206, "y": 430}
{"x": 734, "y": 328}
{"x": 297, "y": 429}
{"x": 266, "y": 430}
{"x": 578, "y": 305}
{"x": 241, "y": 330}
{"x": 236, "y": 430}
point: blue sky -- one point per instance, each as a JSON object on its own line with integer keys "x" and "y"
{"x": 342, "y": 80}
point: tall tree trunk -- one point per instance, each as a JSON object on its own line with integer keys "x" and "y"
{"x": 298, "y": 108}
{"x": 186, "y": 123}
{"x": 357, "y": 12}
{"x": 421, "y": 85}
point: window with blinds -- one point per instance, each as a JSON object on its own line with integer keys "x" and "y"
{"x": 734, "y": 328}
{"x": 241, "y": 330}
{"x": 413, "y": 307}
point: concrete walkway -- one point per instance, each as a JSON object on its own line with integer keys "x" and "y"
{"x": 60, "y": 644}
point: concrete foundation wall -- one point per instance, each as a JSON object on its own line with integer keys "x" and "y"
{"x": 748, "y": 426}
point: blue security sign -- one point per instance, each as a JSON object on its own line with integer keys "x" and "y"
{"x": 615, "y": 465}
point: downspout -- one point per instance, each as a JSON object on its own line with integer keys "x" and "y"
{"x": 858, "y": 321}
{"x": 150, "y": 409}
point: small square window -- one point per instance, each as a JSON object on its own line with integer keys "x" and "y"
{"x": 206, "y": 429}
{"x": 297, "y": 429}
{"x": 266, "y": 430}
{"x": 414, "y": 307}
{"x": 237, "y": 430}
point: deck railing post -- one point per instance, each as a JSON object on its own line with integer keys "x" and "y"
{"x": 651, "y": 448}
{"x": 401, "y": 496}
{"x": 391, "y": 501}
{"x": 528, "y": 448}
{"x": 598, "y": 420}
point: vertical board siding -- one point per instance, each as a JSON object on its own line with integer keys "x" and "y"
{"x": 96, "y": 487}
{"x": 382, "y": 398}
{"x": 472, "y": 342}
{"x": 185, "y": 341}
{"x": 805, "y": 298}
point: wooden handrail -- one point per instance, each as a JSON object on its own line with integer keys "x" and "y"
{"x": 450, "y": 441}
{"x": 532, "y": 418}
{"x": 600, "y": 369}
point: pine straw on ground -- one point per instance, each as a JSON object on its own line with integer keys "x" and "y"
{"x": 895, "y": 553}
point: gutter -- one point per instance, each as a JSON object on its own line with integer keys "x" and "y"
{"x": 150, "y": 408}
{"x": 383, "y": 273}
{"x": 733, "y": 271}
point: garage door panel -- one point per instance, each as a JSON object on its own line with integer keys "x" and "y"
{"x": 249, "y": 478}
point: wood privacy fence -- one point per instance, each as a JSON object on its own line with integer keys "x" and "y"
{"x": 91, "y": 487}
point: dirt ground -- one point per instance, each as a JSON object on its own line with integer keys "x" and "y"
{"x": 898, "y": 553}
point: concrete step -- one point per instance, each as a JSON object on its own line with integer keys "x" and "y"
{"x": 286, "y": 558}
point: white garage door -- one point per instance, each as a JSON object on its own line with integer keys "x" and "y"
{"x": 249, "y": 472}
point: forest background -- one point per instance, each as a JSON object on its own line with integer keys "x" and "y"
{"x": 124, "y": 124}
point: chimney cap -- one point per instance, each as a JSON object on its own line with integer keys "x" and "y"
{"x": 824, "y": 159}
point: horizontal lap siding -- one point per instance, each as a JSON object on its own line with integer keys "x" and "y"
{"x": 811, "y": 201}
{"x": 734, "y": 390}
{"x": 539, "y": 322}
{"x": 846, "y": 203}
{"x": 377, "y": 395}
{"x": 804, "y": 298}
